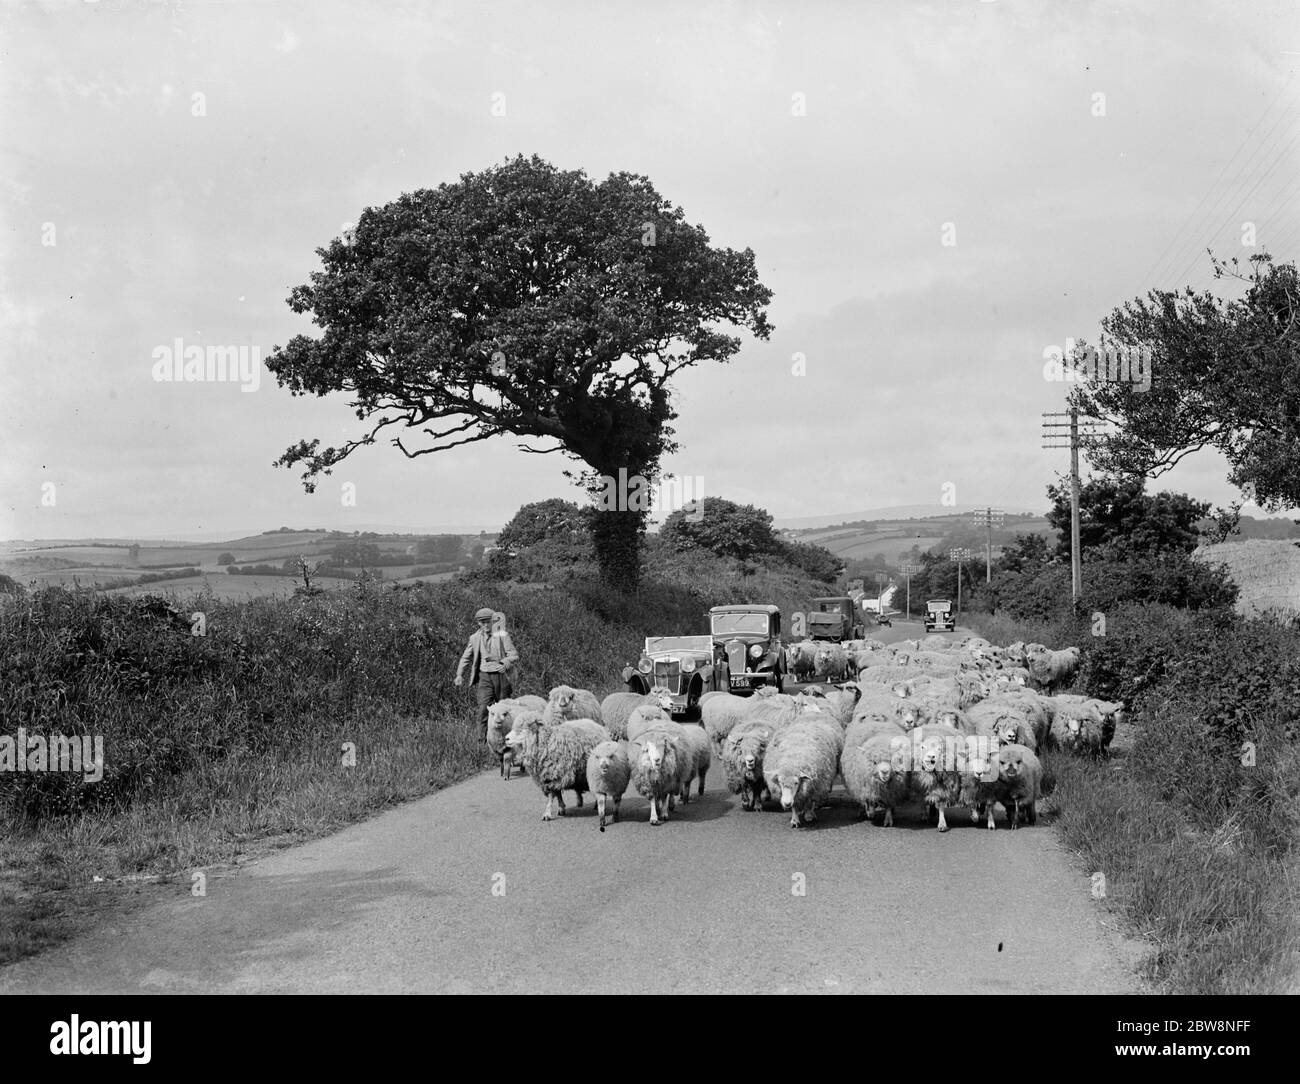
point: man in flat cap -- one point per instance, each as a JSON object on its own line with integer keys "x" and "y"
{"x": 489, "y": 655}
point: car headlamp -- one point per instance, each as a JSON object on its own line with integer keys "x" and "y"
{"x": 688, "y": 665}
{"x": 645, "y": 666}
{"x": 756, "y": 651}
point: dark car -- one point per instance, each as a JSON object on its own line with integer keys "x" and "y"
{"x": 678, "y": 668}
{"x": 747, "y": 648}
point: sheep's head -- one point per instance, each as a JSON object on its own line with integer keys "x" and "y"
{"x": 652, "y": 758}
{"x": 646, "y": 712}
{"x": 902, "y": 689}
{"x": 1006, "y": 731}
{"x": 948, "y": 717}
{"x": 934, "y": 754}
{"x": 562, "y": 696}
{"x": 909, "y": 717}
{"x": 1011, "y": 764}
{"x": 883, "y": 769}
{"x": 793, "y": 785}
{"x": 749, "y": 754}
{"x": 526, "y": 724}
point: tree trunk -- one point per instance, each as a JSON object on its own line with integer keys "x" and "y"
{"x": 616, "y": 537}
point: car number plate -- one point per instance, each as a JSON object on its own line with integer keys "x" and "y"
{"x": 739, "y": 682}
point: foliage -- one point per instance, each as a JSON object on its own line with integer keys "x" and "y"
{"x": 439, "y": 548}
{"x": 548, "y": 519}
{"x": 523, "y": 299}
{"x": 817, "y": 561}
{"x": 1225, "y": 374}
{"x": 722, "y": 527}
{"x": 226, "y": 558}
{"x": 1117, "y": 514}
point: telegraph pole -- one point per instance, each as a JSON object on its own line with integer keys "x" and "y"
{"x": 1054, "y": 432}
{"x": 988, "y": 518}
{"x": 959, "y": 555}
{"x": 909, "y": 570}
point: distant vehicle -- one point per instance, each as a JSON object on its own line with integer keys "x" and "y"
{"x": 747, "y": 648}
{"x": 680, "y": 667}
{"x": 883, "y": 619}
{"x": 938, "y": 615}
{"x": 834, "y": 619}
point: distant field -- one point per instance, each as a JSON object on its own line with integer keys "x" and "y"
{"x": 893, "y": 539}
{"x": 224, "y": 586}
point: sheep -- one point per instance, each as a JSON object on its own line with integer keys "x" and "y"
{"x": 831, "y": 662}
{"x": 720, "y": 716}
{"x": 1082, "y": 729}
{"x": 936, "y": 758}
{"x": 1019, "y": 785}
{"x": 694, "y": 754}
{"x": 880, "y": 674}
{"x": 616, "y": 708}
{"x": 979, "y": 791}
{"x": 1049, "y": 669}
{"x": 654, "y": 772}
{"x": 801, "y": 763}
{"x": 875, "y": 774}
{"x": 742, "y": 760}
{"x": 608, "y": 774}
{"x": 501, "y": 718}
{"x": 801, "y": 660}
{"x": 643, "y": 718}
{"x": 569, "y": 703}
{"x": 780, "y": 711}
{"x": 865, "y": 727}
{"x": 555, "y": 754}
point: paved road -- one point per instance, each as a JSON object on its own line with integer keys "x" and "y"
{"x": 704, "y": 903}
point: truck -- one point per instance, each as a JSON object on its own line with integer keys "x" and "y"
{"x": 835, "y": 618}
{"x": 938, "y": 615}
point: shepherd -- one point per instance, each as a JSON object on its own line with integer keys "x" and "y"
{"x": 489, "y": 655}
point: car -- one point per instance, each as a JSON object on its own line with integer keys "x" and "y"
{"x": 747, "y": 649}
{"x": 678, "y": 668}
{"x": 835, "y": 618}
{"x": 883, "y": 619}
{"x": 938, "y": 615}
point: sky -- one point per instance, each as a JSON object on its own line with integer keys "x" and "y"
{"x": 168, "y": 170}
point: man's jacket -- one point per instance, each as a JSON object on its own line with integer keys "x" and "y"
{"x": 487, "y": 647}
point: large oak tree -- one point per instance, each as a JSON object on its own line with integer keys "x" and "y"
{"x": 528, "y": 300}
{"x": 1224, "y": 374}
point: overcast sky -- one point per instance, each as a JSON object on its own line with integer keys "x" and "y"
{"x": 169, "y": 169}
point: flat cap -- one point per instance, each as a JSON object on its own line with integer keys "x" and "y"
{"x": 485, "y": 612}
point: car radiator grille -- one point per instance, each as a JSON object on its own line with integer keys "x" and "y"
{"x": 668, "y": 675}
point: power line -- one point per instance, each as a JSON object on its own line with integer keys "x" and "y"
{"x": 1226, "y": 165}
{"x": 1227, "y": 193}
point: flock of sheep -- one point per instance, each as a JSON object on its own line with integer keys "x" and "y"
{"x": 951, "y": 723}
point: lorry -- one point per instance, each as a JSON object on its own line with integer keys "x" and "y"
{"x": 835, "y": 618}
{"x": 938, "y": 615}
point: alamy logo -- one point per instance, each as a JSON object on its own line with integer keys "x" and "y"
{"x": 636, "y": 494}
{"x": 1111, "y": 363}
{"x": 77, "y": 1036}
{"x": 179, "y": 363}
{"x": 82, "y": 753}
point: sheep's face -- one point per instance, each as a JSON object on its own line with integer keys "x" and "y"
{"x": 1005, "y": 731}
{"x": 562, "y": 696}
{"x": 652, "y": 760}
{"x": 664, "y": 702}
{"x": 902, "y": 689}
{"x": 948, "y": 717}
{"x": 933, "y": 755}
{"x": 884, "y": 769}
{"x": 908, "y": 717}
{"x": 1010, "y": 765}
{"x": 791, "y": 786}
{"x": 749, "y": 755}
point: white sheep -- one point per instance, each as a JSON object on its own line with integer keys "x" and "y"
{"x": 720, "y": 716}
{"x": 831, "y": 662}
{"x": 608, "y": 774}
{"x": 617, "y": 707}
{"x": 654, "y": 773}
{"x": 555, "y": 754}
{"x": 801, "y": 660}
{"x": 568, "y": 703}
{"x": 801, "y": 763}
{"x": 937, "y": 756}
{"x": 875, "y": 773}
{"x": 1082, "y": 729}
{"x": 979, "y": 788}
{"x": 501, "y": 719}
{"x": 1049, "y": 669}
{"x": 643, "y": 718}
{"x": 742, "y": 760}
{"x": 694, "y": 754}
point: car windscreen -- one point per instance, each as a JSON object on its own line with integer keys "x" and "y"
{"x": 728, "y": 624}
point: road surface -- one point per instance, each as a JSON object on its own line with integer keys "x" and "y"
{"x": 468, "y": 890}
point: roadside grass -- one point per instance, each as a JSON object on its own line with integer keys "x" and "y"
{"x": 227, "y": 745}
{"x": 1194, "y": 824}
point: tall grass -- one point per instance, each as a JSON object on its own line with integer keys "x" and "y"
{"x": 231, "y": 741}
{"x": 1196, "y": 832}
